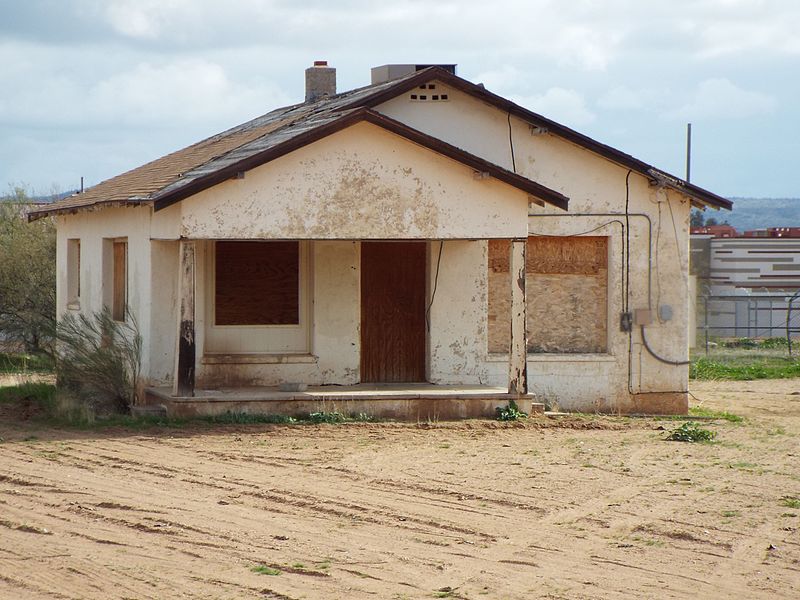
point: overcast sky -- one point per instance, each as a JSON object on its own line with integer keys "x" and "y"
{"x": 96, "y": 87}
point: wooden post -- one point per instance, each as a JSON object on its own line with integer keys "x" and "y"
{"x": 518, "y": 351}
{"x": 184, "y": 365}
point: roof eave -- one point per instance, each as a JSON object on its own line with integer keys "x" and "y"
{"x": 165, "y": 199}
{"x": 35, "y": 215}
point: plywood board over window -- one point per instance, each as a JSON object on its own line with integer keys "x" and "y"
{"x": 257, "y": 283}
{"x": 119, "y": 301}
{"x": 567, "y": 292}
{"x": 73, "y": 273}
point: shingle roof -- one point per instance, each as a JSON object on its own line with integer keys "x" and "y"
{"x": 143, "y": 183}
{"x": 185, "y": 172}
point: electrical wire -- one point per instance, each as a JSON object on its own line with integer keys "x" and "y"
{"x": 627, "y": 281}
{"x": 511, "y": 144}
{"x": 435, "y": 285}
{"x": 675, "y": 230}
{"x": 666, "y": 361}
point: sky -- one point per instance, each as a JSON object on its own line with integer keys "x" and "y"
{"x": 93, "y": 88}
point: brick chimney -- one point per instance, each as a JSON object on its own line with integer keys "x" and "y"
{"x": 320, "y": 81}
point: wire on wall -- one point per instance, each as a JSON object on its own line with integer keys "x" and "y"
{"x": 511, "y": 145}
{"x": 627, "y": 281}
{"x": 435, "y": 285}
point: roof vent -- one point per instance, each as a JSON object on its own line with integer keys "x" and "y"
{"x": 389, "y": 72}
{"x": 320, "y": 81}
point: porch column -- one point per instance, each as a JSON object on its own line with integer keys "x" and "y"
{"x": 184, "y": 365}
{"x": 518, "y": 352}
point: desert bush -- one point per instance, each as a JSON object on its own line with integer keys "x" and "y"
{"x": 99, "y": 360}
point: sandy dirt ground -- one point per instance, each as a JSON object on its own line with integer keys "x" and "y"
{"x": 592, "y": 507}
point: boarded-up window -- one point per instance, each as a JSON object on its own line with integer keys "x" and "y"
{"x": 567, "y": 295}
{"x": 73, "y": 272}
{"x": 119, "y": 299}
{"x": 257, "y": 283}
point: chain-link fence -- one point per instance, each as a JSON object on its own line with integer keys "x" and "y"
{"x": 766, "y": 320}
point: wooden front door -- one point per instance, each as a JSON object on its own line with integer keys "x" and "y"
{"x": 393, "y": 312}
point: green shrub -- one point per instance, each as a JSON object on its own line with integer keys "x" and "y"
{"x": 327, "y": 417}
{"x": 29, "y": 400}
{"x": 234, "y": 418}
{"x": 17, "y": 362}
{"x": 691, "y": 432}
{"x": 740, "y": 343}
{"x": 775, "y": 342}
{"x": 510, "y": 412}
{"x": 99, "y": 360}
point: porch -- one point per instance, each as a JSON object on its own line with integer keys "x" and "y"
{"x": 404, "y": 402}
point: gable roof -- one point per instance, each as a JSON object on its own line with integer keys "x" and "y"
{"x": 188, "y": 171}
{"x": 405, "y": 84}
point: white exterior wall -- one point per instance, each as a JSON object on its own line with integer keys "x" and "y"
{"x": 92, "y": 228}
{"x": 594, "y": 185}
{"x": 366, "y": 183}
{"x": 360, "y": 183}
{"x": 457, "y": 341}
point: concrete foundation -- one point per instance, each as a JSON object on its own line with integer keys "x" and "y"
{"x": 410, "y": 402}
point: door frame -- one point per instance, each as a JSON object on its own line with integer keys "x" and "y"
{"x": 425, "y": 344}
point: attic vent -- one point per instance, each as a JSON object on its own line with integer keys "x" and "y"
{"x": 428, "y": 96}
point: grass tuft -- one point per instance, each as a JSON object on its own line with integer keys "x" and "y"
{"x": 18, "y": 362}
{"x": 691, "y": 432}
{"x": 744, "y": 368}
{"x": 265, "y": 570}
{"x": 700, "y": 411}
{"x": 790, "y": 502}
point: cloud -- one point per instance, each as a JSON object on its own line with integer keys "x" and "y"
{"x": 559, "y": 104}
{"x": 625, "y": 98}
{"x": 173, "y": 93}
{"x": 721, "y": 99}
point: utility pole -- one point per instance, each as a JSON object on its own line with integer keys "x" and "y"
{"x": 688, "y": 152}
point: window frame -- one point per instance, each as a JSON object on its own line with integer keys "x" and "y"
{"x": 119, "y": 280}
{"x": 601, "y": 355}
{"x": 73, "y": 273}
{"x": 267, "y": 338}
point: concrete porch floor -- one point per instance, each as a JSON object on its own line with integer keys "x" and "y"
{"x": 407, "y": 401}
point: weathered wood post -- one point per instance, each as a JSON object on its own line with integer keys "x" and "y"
{"x": 518, "y": 351}
{"x": 184, "y": 365}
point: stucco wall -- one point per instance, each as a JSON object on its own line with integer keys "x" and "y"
{"x": 457, "y": 337}
{"x": 92, "y": 228}
{"x": 360, "y": 183}
{"x": 658, "y": 263}
{"x": 366, "y": 183}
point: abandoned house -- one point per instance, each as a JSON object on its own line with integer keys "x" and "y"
{"x": 416, "y": 248}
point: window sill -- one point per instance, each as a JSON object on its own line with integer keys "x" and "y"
{"x": 74, "y": 305}
{"x": 559, "y": 358}
{"x": 212, "y": 358}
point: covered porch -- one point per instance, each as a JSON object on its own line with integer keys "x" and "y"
{"x": 395, "y": 329}
{"x": 378, "y": 276}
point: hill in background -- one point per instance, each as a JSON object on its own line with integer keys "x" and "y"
{"x": 760, "y": 213}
